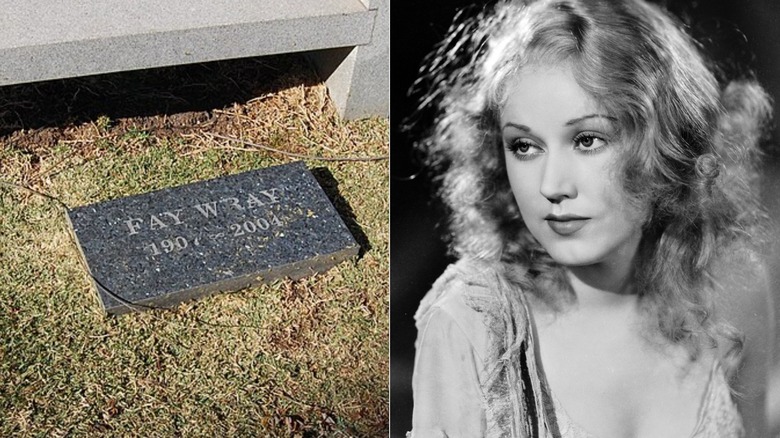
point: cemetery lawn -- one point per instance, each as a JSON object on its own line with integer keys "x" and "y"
{"x": 306, "y": 358}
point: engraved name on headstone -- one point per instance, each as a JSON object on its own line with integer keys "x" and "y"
{"x": 161, "y": 248}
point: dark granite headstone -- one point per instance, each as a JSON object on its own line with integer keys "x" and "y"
{"x": 161, "y": 248}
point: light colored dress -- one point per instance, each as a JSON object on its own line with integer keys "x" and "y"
{"x": 476, "y": 374}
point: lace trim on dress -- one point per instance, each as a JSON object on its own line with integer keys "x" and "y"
{"x": 514, "y": 400}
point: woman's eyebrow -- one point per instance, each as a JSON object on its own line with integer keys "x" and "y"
{"x": 516, "y": 126}
{"x": 590, "y": 116}
{"x": 569, "y": 123}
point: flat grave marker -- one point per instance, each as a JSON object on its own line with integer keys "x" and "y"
{"x": 161, "y": 248}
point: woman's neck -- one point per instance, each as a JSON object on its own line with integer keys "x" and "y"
{"x": 599, "y": 293}
{"x": 603, "y": 285}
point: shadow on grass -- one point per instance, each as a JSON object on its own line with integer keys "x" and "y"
{"x": 166, "y": 91}
{"x": 331, "y": 187}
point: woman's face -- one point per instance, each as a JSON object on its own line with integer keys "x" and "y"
{"x": 561, "y": 149}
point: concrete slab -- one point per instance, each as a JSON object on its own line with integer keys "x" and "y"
{"x": 42, "y": 40}
{"x": 359, "y": 78}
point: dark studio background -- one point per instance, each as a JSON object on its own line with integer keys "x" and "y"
{"x": 417, "y": 254}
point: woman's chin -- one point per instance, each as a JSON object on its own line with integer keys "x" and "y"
{"x": 574, "y": 255}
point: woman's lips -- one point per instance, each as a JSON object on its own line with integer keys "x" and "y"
{"x": 567, "y": 224}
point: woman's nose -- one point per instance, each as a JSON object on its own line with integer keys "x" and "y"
{"x": 558, "y": 177}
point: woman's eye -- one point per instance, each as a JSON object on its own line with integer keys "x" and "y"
{"x": 589, "y": 142}
{"x": 522, "y": 148}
